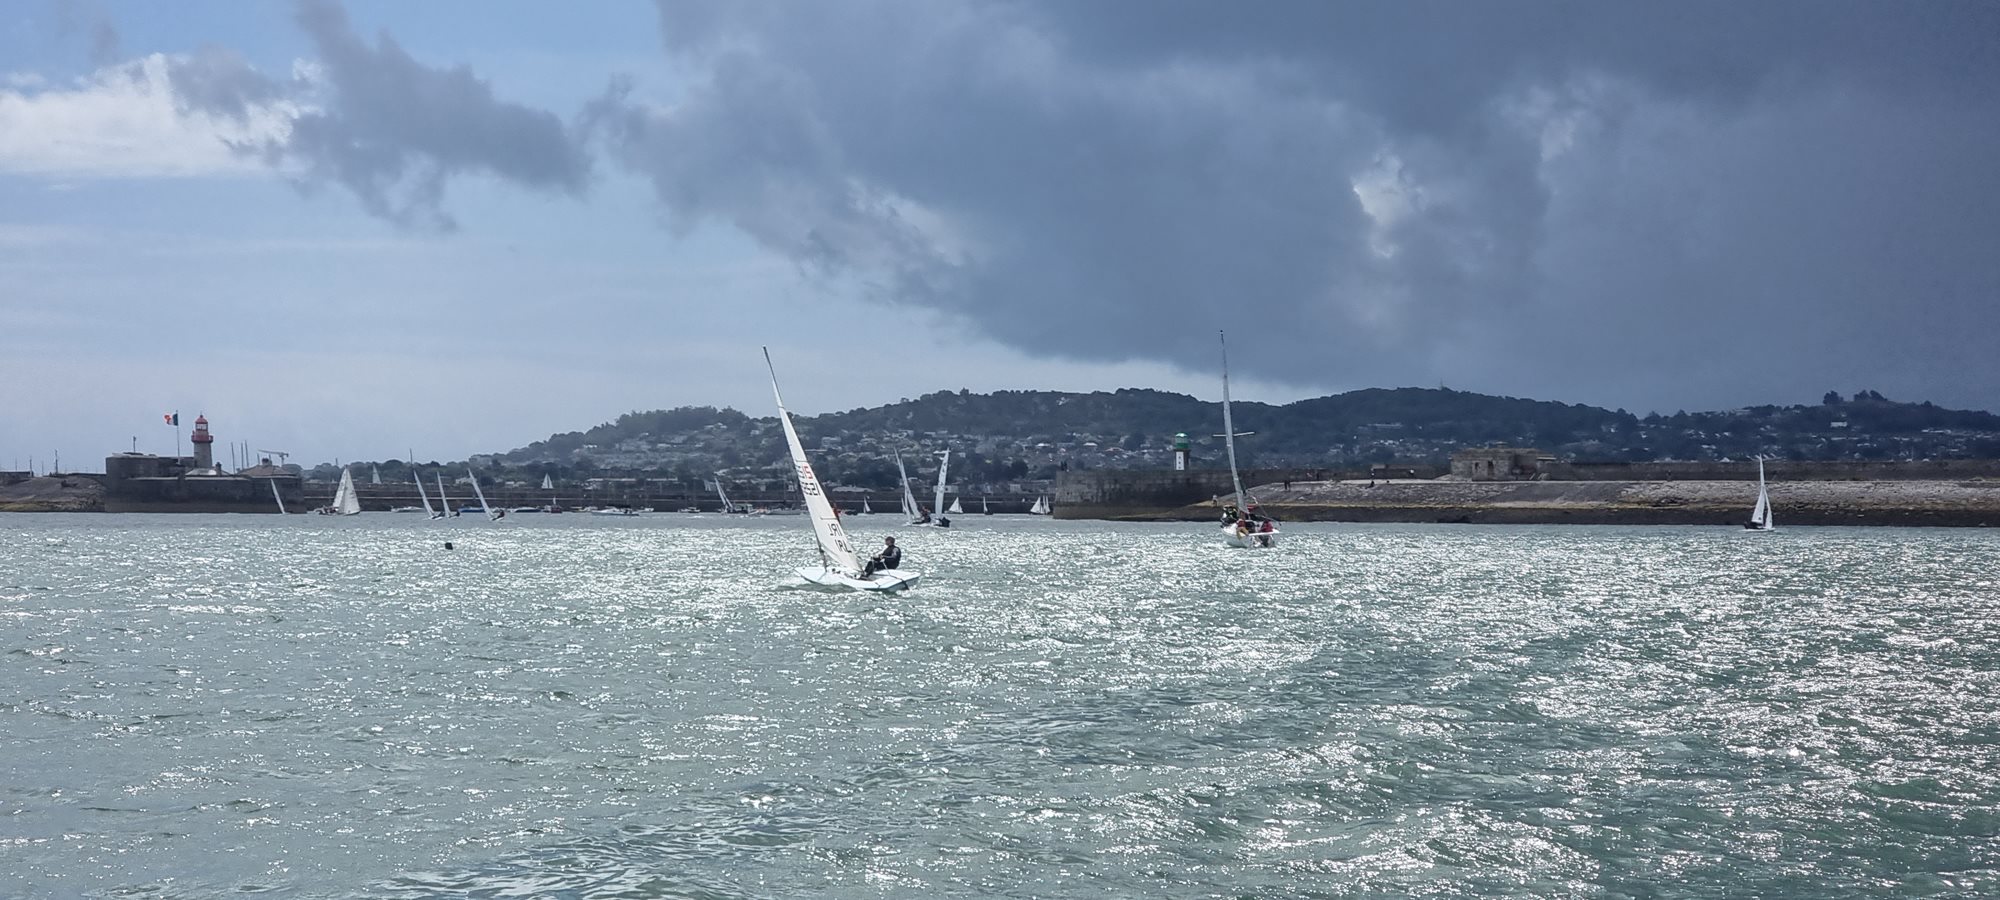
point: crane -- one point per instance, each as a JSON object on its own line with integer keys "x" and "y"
{"x": 280, "y": 454}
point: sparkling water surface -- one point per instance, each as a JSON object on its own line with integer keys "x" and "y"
{"x": 575, "y": 706}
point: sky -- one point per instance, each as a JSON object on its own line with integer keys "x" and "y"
{"x": 360, "y": 230}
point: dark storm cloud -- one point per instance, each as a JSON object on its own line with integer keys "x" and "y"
{"x": 384, "y": 126}
{"x": 1685, "y": 203}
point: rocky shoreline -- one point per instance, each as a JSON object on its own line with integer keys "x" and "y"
{"x": 1974, "y": 503}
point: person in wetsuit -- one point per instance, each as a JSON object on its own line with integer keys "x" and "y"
{"x": 891, "y": 557}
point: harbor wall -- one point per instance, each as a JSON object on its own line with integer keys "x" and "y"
{"x": 1130, "y": 494}
{"x": 1901, "y": 503}
{"x": 201, "y": 494}
{"x": 1775, "y": 470}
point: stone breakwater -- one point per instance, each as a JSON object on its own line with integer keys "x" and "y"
{"x": 1929, "y": 503}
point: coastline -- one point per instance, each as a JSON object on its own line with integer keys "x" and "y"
{"x": 1972, "y": 503}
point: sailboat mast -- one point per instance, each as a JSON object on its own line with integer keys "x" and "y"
{"x": 1229, "y": 425}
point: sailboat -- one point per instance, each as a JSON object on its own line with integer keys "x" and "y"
{"x": 428, "y": 511}
{"x": 955, "y": 508}
{"x": 937, "y": 502}
{"x": 864, "y": 507}
{"x": 839, "y": 565}
{"x": 549, "y": 484}
{"x": 1244, "y": 528}
{"x": 1760, "y": 515}
{"x": 444, "y": 504}
{"x": 374, "y": 474}
{"x": 985, "y": 508}
{"x": 277, "y": 496}
{"x": 346, "y": 501}
{"x": 911, "y": 515}
{"x": 1041, "y": 507}
{"x": 492, "y": 515}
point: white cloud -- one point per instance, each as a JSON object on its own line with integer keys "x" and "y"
{"x": 122, "y": 122}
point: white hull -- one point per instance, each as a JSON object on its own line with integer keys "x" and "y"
{"x": 1235, "y": 538}
{"x": 885, "y": 580}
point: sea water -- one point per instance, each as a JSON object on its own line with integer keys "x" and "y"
{"x": 576, "y": 706}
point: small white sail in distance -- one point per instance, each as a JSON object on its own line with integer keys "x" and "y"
{"x": 944, "y": 464}
{"x": 346, "y": 501}
{"x": 444, "y": 504}
{"x": 909, "y": 499}
{"x": 548, "y": 482}
{"x": 1760, "y": 515}
{"x": 834, "y": 546}
{"x": 277, "y": 496}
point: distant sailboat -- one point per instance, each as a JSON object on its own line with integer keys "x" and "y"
{"x": 911, "y": 514}
{"x": 937, "y": 502}
{"x": 955, "y": 508}
{"x": 1041, "y": 507}
{"x": 1760, "y": 515}
{"x": 985, "y": 508}
{"x": 346, "y": 501}
{"x": 1245, "y": 529}
{"x": 277, "y": 496}
{"x": 374, "y": 474}
{"x": 444, "y": 503}
{"x": 492, "y": 515}
{"x": 549, "y": 484}
{"x": 426, "y": 498}
{"x": 864, "y": 507}
{"x": 839, "y": 565}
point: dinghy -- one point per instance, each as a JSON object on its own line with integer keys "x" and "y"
{"x": 444, "y": 503}
{"x": 1760, "y": 515}
{"x": 492, "y": 515}
{"x": 425, "y": 497}
{"x": 911, "y": 514}
{"x": 346, "y": 502}
{"x": 1245, "y": 529}
{"x": 277, "y": 496}
{"x": 1041, "y": 507}
{"x": 839, "y": 565}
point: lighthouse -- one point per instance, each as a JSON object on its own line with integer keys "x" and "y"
{"x": 204, "y": 452}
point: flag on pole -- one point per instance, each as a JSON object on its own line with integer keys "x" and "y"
{"x": 173, "y": 418}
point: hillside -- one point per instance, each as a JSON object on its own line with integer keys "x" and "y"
{"x": 1012, "y": 436}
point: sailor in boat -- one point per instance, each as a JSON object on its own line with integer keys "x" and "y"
{"x": 1229, "y": 514}
{"x": 944, "y": 521}
{"x": 923, "y": 515}
{"x": 891, "y": 557}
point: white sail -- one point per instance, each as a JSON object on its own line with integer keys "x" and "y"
{"x": 277, "y": 496}
{"x": 956, "y": 509}
{"x": 346, "y": 501}
{"x": 727, "y": 506}
{"x": 1760, "y": 515}
{"x": 479, "y": 493}
{"x": 944, "y": 463}
{"x": 1041, "y": 507}
{"x": 548, "y": 483}
{"x": 1244, "y": 532}
{"x": 985, "y": 508}
{"x": 909, "y": 499}
{"x": 864, "y": 507}
{"x": 374, "y": 474}
{"x": 419, "y": 478}
{"x": 444, "y": 504}
{"x": 833, "y": 543}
